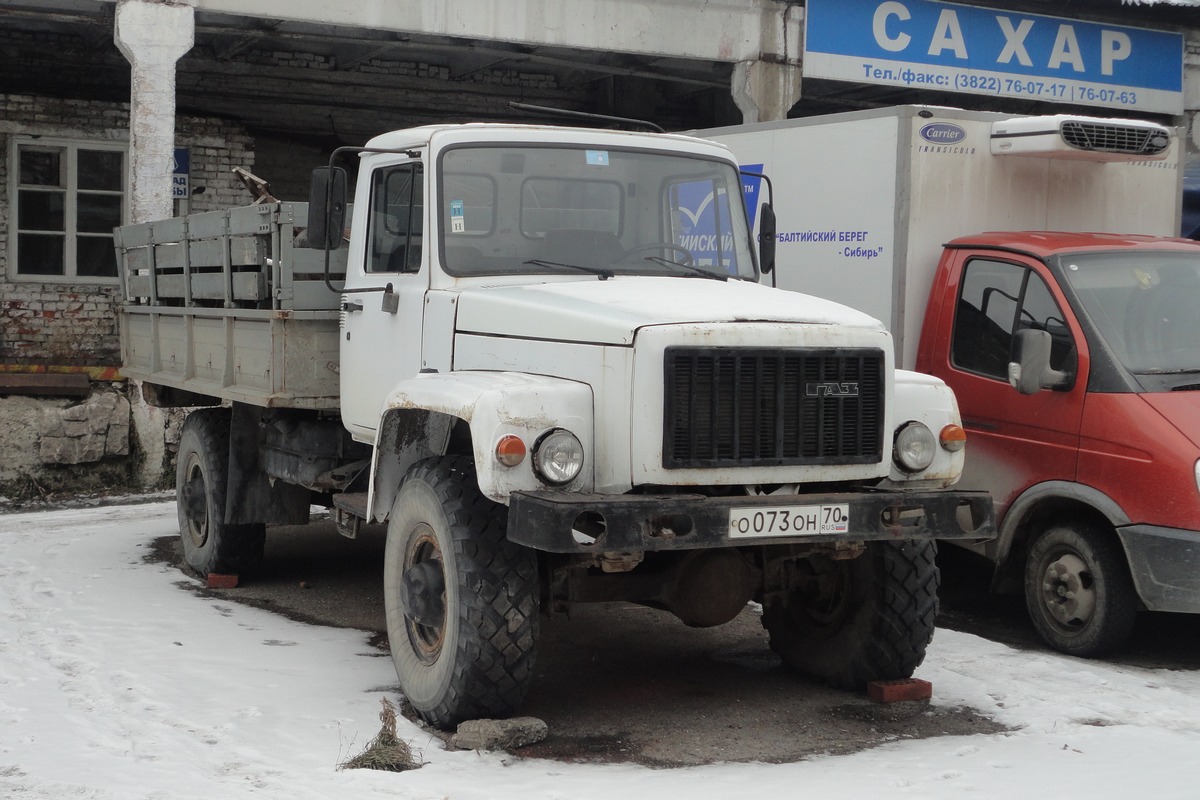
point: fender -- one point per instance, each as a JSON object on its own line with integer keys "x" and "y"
{"x": 926, "y": 399}
{"x": 1050, "y": 492}
{"x": 420, "y": 413}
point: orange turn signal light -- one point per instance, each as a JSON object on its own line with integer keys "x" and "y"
{"x": 953, "y": 438}
{"x": 510, "y": 450}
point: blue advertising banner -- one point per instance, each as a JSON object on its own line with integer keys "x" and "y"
{"x": 953, "y": 48}
{"x": 751, "y": 183}
{"x": 704, "y": 224}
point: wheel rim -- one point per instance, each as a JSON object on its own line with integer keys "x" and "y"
{"x": 195, "y": 501}
{"x": 423, "y": 588}
{"x": 1068, "y": 591}
{"x": 821, "y": 601}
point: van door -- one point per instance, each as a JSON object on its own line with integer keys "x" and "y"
{"x": 1014, "y": 440}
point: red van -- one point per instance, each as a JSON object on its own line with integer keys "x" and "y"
{"x": 1076, "y": 362}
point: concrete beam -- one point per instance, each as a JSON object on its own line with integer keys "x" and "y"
{"x": 726, "y": 31}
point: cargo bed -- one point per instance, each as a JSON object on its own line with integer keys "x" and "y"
{"x": 226, "y": 304}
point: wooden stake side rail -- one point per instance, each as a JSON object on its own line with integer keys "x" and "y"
{"x": 225, "y": 304}
{"x": 235, "y": 258}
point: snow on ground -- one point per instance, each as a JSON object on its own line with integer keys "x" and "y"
{"x": 114, "y": 683}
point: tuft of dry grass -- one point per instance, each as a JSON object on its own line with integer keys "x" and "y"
{"x": 385, "y": 752}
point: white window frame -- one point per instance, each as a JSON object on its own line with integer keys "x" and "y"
{"x": 70, "y": 210}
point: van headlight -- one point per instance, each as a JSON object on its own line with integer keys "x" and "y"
{"x": 557, "y": 457}
{"x": 914, "y": 447}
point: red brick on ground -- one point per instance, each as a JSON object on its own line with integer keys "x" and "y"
{"x": 897, "y": 691}
{"x": 219, "y": 581}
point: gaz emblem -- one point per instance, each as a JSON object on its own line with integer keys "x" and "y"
{"x": 831, "y": 389}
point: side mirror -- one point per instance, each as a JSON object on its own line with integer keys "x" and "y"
{"x": 326, "y": 208}
{"x": 1030, "y": 372}
{"x": 766, "y": 239}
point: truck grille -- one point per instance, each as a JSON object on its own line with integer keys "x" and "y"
{"x": 747, "y": 407}
{"x": 1109, "y": 138}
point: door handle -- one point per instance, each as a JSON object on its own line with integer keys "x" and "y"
{"x": 351, "y": 306}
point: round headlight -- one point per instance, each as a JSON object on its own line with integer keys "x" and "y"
{"x": 558, "y": 457}
{"x": 915, "y": 447}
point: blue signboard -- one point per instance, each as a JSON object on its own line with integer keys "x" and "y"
{"x": 946, "y": 47}
{"x": 181, "y": 165}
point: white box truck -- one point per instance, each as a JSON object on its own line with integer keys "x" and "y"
{"x": 545, "y": 360}
{"x": 1027, "y": 262}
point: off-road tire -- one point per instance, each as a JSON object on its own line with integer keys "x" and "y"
{"x": 1078, "y": 590}
{"x": 478, "y": 662}
{"x": 201, "y": 475}
{"x": 866, "y": 619}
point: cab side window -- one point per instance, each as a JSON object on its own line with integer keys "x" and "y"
{"x": 997, "y": 299}
{"x": 397, "y": 215}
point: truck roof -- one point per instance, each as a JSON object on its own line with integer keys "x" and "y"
{"x": 1043, "y": 244}
{"x": 520, "y": 132}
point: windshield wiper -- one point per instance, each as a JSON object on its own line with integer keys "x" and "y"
{"x": 604, "y": 274}
{"x": 1167, "y": 371}
{"x": 666, "y": 262}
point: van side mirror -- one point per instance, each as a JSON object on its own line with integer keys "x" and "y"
{"x": 1030, "y": 371}
{"x": 326, "y": 208}
{"x": 766, "y": 238}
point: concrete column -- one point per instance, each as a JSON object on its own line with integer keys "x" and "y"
{"x": 766, "y": 87}
{"x": 152, "y": 35}
{"x": 764, "y": 91}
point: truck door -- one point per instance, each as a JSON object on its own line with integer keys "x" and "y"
{"x": 381, "y": 335}
{"x": 1014, "y": 440}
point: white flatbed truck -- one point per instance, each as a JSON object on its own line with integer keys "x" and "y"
{"x": 545, "y": 361}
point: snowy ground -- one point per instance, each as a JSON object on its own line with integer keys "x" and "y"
{"x": 114, "y": 683}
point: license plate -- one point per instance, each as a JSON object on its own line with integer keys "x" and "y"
{"x": 788, "y": 520}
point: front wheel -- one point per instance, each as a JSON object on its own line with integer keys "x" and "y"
{"x": 461, "y": 600}
{"x": 850, "y": 622}
{"x": 1078, "y": 590}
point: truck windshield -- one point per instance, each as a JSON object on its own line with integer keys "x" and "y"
{"x": 533, "y": 209}
{"x": 1146, "y": 306}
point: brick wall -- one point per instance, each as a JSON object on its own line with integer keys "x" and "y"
{"x": 74, "y": 324}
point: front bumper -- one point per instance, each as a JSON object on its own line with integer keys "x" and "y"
{"x": 549, "y": 520}
{"x": 1165, "y": 564}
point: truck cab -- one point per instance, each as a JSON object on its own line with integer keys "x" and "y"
{"x": 1074, "y": 360}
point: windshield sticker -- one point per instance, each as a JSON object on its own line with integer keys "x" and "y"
{"x": 457, "y": 223}
{"x": 597, "y": 158}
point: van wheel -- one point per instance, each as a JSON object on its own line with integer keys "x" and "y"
{"x": 201, "y": 470}
{"x": 461, "y": 600}
{"x": 1078, "y": 590}
{"x": 847, "y": 623}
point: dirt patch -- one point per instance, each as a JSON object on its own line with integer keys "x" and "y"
{"x": 615, "y": 682}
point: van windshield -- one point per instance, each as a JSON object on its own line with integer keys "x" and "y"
{"x": 515, "y": 209}
{"x": 1146, "y": 305}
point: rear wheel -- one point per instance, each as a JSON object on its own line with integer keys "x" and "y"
{"x": 461, "y": 600}
{"x": 201, "y": 472}
{"x": 847, "y": 623}
{"x": 1078, "y": 590}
